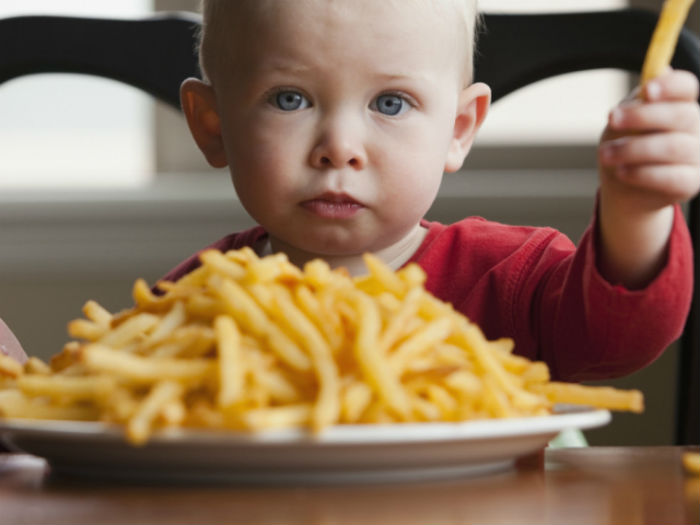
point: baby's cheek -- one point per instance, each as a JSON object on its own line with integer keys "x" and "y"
{"x": 414, "y": 191}
{"x": 258, "y": 164}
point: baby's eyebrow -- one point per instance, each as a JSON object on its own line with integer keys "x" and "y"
{"x": 284, "y": 67}
{"x": 398, "y": 76}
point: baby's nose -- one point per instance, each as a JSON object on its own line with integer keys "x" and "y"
{"x": 337, "y": 149}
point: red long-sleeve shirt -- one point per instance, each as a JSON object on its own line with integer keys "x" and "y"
{"x": 533, "y": 285}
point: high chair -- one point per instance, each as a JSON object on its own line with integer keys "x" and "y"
{"x": 155, "y": 54}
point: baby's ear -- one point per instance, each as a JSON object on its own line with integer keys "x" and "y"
{"x": 473, "y": 105}
{"x": 199, "y": 105}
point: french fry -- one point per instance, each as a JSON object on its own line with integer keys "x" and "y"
{"x": 34, "y": 365}
{"x": 202, "y": 306}
{"x": 424, "y": 339}
{"x": 355, "y": 400}
{"x": 97, "y": 314}
{"x": 381, "y": 277}
{"x": 272, "y": 268}
{"x": 85, "y": 329}
{"x": 173, "y": 413}
{"x": 137, "y": 369}
{"x": 192, "y": 340}
{"x": 66, "y": 389}
{"x": 665, "y": 37}
{"x": 143, "y": 296}
{"x": 167, "y": 324}
{"x": 67, "y": 357}
{"x": 232, "y": 370}
{"x": 466, "y": 383}
{"x": 14, "y": 404}
{"x": 600, "y": 396}
{"x": 9, "y": 367}
{"x": 161, "y": 395}
{"x": 691, "y": 463}
{"x": 129, "y": 331}
{"x": 374, "y": 364}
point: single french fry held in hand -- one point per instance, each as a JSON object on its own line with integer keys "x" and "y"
{"x": 664, "y": 38}
{"x": 248, "y": 344}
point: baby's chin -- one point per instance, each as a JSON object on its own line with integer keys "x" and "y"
{"x": 345, "y": 243}
{"x": 328, "y": 242}
{"x": 347, "y": 250}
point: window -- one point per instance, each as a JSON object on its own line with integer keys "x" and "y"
{"x": 69, "y": 131}
{"x": 566, "y": 110}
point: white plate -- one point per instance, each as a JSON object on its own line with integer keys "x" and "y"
{"x": 345, "y": 453}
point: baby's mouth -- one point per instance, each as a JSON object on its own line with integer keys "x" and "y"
{"x": 333, "y": 206}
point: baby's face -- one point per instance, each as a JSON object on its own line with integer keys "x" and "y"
{"x": 338, "y": 119}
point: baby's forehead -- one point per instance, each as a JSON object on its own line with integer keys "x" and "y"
{"x": 233, "y": 29}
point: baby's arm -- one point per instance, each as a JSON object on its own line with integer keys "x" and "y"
{"x": 649, "y": 159}
{"x": 9, "y": 345}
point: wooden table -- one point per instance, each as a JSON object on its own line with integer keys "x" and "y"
{"x": 580, "y": 485}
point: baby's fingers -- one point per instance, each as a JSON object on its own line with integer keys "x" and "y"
{"x": 660, "y": 116}
{"x": 670, "y": 184}
{"x": 672, "y": 85}
{"x": 652, "y": 148}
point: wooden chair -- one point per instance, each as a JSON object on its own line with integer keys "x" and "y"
{"x": 155, "y": 54}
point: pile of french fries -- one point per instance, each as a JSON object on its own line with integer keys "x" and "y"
{"x": 249, "y": 344}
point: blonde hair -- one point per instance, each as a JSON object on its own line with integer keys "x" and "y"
{"x": 214, "y": 13}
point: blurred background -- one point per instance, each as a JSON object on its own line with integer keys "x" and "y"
{"x": 100, "y": 185}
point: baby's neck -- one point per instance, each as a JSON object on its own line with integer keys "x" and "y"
{"x": 394, "y": 256}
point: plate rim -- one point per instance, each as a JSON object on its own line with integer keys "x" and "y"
{"x": 356, "y": 434}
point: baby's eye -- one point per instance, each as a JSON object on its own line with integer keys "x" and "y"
{"x": 390, "y": 104}
{"x": 289, "y": 100}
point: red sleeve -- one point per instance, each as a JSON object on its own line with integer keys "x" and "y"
{"x": 591, "y": 329}
{"x": 536, "y": 287}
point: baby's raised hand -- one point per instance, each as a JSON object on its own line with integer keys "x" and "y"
{"x": 649, "y": 153}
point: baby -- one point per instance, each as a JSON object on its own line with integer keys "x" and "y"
{"x": 338, "y": 118}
